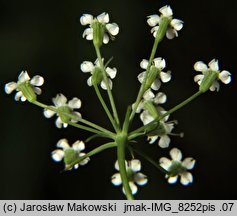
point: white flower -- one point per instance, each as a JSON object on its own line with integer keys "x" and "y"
{"x": 75, "y": 152}
{"x": 176, "y": 167}
{"x": 163, "y": 131}
{"x": 24, "y": 78}
{"x": 157, "y": 99}
{"x": 160, "y": 64}
{"x": 134, "y": 176}
{"x": 224, "y": 76}
{"x": 61, "y": 104}
{"x": 175, "y": 25}
{"x": 88, "y": 67}
{"x": 112, "y": 29}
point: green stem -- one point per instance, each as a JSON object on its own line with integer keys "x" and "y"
{"x": 121, "y": 141}
{"x": 93, "y": 152}
{"x": 107, "y": 85}
{"x": 141, "y": 130}
{"x": 188, "y": 100}
{"x": 75, "y": 118}
{"x": 89, "y": 129}
{"x": 159, "y": 36}
{"x": 105, "y": 107}
{"x": 142, "y": 154}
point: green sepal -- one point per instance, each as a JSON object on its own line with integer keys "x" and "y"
{"x": 98, "y": 33}
{"x": 64, "y": 109}
{"x": 159, "y": 130}
{"x": 152, "y": 75}
{"x": 163, "y": 25}
{"x": 152, "y": 109}
{"x": 28, "y": 91}
{"x": 97, "y": 75}
{"x": 209, "y": 78}
{"x": 70, "y": 156}
{"x": 176, "y": 168}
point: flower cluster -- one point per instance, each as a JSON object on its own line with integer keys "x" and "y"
{"x": 112, "y": 29}
{"x": 175, "y": 25}
{"x": 212, "y": 68}
{"x": 89, "y": 67}
{"x": 70, "y": 154}
{"x": 134, "y": 176}
{"x": 62, "y": 106}
{"x": 176, "y": 167}
{"x": 24, "y": 85}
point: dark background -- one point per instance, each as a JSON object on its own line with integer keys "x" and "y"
{"x": 45, "y": 37}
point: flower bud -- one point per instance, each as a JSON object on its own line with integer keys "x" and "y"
{"x": 97, "y": 75}
{"x": 98, "y": 33}
{"x": 209, "y": 78}
{"x": 28, "y": 91}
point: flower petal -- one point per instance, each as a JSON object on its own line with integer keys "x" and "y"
{"x": 160, "y": 98}
{"x": 171, "y": 33}
{"x": 135, "y": 165}
{"x": 111, "y": 72}
{"x": 87, "y": 66}
{"x": 165, "y": 77}
{"x": 159, "y": 63}
{"x": 57, "y": 155}
{"x": 152, "y": 139}
{"x": 141, "y": 77}
{"x": 186, "y": 178}
{"x": 188, "y": 163}
{"x": 133, "y": 188}
{"x": 164, "y": 141}
{"x": 213, "y": 65}
{"x": 144, "y": 64}
{"x": 48, "y": 113}
{"x": 86, "y": 19}
{"x": 85, "y": 161}
{"x": 116, "y": 179}
{"x": 156, "y": 85}
{"x": 18, "y": 95}
{"x": 177, "y": 24}
{"x": 153, "y": 20}
{"x": 140, "y": 178}
{"x": 172, "y": 179}
{"x": 89, "y": 81}
{"x": 198, "y": 78}
{"x": 165, "y": 163}
{"x": 59, "y": 100}
{"x": 146, "y": 117}
{"x": 63, "y": 143}
{"x": 10, "y": 87}
{"x": 103, "y": 18}
{"x": 200, "y": 66}
{"x": 88, "y": 34}
{"x": 166, "y": 11}
{"x": 215, "y": 86}
{"x": 74, "y": 103}
{"x": 148, "y": 95}
{"x": 106, "y": 38}
{"x": 112, "y": 28}
{"x": 176, "y": 154}
{"x": 37, "y": 80}
{"x": 78, "y": 146}
{"x": 225, "y": 76}
{"x": 23, "y": 77}
{"x": 58, "y": 123}
{"x": 37, "y": 90}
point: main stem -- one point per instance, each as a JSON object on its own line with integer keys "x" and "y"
{"x": 111, "y": 99}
